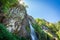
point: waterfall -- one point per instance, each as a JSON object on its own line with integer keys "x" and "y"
{"x": 33, "y": 34}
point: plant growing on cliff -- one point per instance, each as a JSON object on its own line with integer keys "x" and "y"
{"x": 6, "y": 4}
{"x": 6, "y": 35}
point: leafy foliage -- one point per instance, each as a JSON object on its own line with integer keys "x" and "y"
{"x": 40, "y": 33}
{"x": 6, "y": 35}
{"x": 6, "y": 4}
{"x": 53, "y": 28}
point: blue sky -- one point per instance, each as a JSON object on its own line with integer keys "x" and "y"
{"x": 45, "y": 9}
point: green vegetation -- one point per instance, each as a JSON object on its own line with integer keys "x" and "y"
{"x": 52, "y": 31}
{"x": 40, "y": 33}
{"x": 6, "y": 4}
{"x": 53, "y": 28}
{"x": 6, "y": 35}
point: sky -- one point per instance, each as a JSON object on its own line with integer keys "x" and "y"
{"x": 44, "y": 9}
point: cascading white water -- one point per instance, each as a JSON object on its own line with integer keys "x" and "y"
{"x": 33, "y": 34}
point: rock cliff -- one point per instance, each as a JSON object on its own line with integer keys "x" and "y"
{"x": 17, "y": 20}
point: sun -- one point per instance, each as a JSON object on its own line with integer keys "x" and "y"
{"x": 21, "y": 1}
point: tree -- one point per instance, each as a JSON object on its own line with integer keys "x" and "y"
{"x": 6, "y": 4}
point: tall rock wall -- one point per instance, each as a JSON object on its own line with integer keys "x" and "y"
{"x": 17, "y": 20}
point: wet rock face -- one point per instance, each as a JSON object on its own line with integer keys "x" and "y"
{"x": 18, "y": 21}
{"x": 31, "y": 19}
{"x": 3, "y": 19}
{"x": 23, "y": 31}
